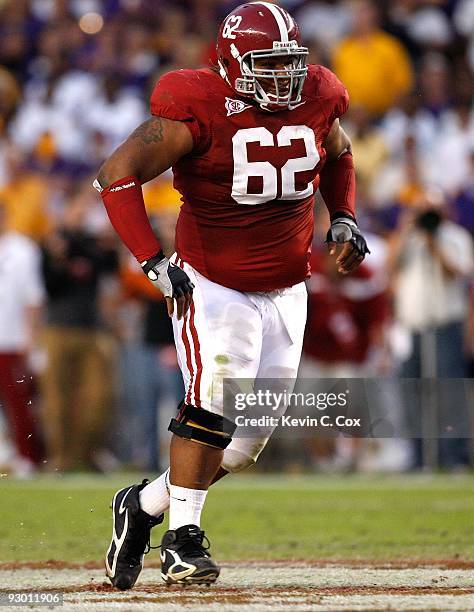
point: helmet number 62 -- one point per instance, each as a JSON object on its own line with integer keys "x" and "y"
{"x": 243, "y": 168}
{"x": 230, "y": 26}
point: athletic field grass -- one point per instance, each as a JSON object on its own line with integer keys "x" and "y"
{"x": 260, "y": 517}
{"x": 285, "y": 543}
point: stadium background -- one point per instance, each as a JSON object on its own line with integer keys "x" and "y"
{"x": 92, "y": 385}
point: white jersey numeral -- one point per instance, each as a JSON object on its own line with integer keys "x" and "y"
{"x": 230, "y": 26}
{"x": 298, "y": 164}
{"x": 243, "y": 168}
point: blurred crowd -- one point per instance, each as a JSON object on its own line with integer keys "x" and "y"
{"x": 88, "y": 372}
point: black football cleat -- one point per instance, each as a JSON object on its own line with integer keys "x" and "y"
{"x": 130, "y": 537}
{"x": 184, "y": 559}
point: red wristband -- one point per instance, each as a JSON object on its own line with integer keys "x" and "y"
{"x": 338, "y": 185}
{"x": 125, "y": 207}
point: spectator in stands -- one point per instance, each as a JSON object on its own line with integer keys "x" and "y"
{"x": 373, "y": 65}
{"x": 115, "y": 112}
{"x": 402, "y": 180}
{"x": 419, "y": 25}
{"x": 450, "y": 159}
{"x": 15, "y": 27}
{"x": 10, "y": 93}
{"x": 368, "y": 147}
{"x": 464, "y": 201}
{"x": 21, "y": 301}
{"x": 25, "y": 197}
{"x": 9, "y": 97}
{"x": 435, "y": 83}
{"x": 429, "y": 27}
{"x": 77, "y": 382}
{"x": 138, "y": 59}
{"x": 57, "y": 107}
{"x": 323, "y": 23}
{"x": 432, "y": 258}
{"x": 408, "y": 118}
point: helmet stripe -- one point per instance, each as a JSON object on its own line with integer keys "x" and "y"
{"x": 278, "y": 18}
{"x": 289, "y": 21}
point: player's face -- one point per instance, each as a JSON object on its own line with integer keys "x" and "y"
{"x": 274, "y": 63}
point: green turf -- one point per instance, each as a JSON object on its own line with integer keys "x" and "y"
{"x": 256, "y": 517}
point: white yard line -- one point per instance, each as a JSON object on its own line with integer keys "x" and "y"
{"x": 259, "y": 588}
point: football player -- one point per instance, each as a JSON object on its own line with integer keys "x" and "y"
{"x": 249, "y": 141}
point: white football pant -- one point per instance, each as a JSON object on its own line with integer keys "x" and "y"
{"x": 231, "y": 334}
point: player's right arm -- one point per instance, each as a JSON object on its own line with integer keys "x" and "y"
{"x": 151, "y": 149}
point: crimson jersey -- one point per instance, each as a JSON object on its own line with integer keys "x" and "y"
{"x": 344, "y": 312}
{"x": 247, "y": 187}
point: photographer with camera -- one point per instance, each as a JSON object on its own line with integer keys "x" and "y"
{"x": 432, "y": 259}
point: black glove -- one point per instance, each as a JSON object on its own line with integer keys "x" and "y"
{"x": 344, "y": 229}
{"x": 170, "y": 279}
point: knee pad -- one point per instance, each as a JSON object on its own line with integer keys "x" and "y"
{"x": 242, "y": 453}
{"x": 202, "y": 426}
{"x": 234, "y": 461}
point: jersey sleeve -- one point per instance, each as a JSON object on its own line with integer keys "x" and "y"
{"x": 177, "y": 97}
{"x": 335, "y": 93}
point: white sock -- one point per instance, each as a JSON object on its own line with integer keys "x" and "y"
{"x": 155, "y": 497}
{"x": 185, "y": 506}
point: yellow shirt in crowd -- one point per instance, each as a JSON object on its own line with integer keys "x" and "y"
{"x": 25, "y": 200}
{"x": 376, "y": 70}
{"x": 160, "y": 196}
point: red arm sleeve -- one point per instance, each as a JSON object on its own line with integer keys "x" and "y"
{"x": 338, "y": 186}
{"x": 123, "y": 201}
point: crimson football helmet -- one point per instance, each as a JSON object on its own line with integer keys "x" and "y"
{"x": 259, "y": 54}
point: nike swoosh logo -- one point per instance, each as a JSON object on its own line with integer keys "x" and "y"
{"x": 292, "y": 106}
{"x": 177, "y": 498}
{"x": 117, "y": 541}
{"x": 122, "y": 508}
{"x": 189, "y": 568}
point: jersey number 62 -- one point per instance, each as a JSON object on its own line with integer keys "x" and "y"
{"x": 243, "y": 168}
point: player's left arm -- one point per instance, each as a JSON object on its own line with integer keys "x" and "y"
{"x": 337, "y": 142}
{"x": 337, "y": 186}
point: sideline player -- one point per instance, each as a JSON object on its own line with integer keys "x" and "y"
{"x": 249, "y": 142}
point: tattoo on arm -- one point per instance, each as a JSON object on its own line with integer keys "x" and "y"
{"x": 150, "y": 131}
